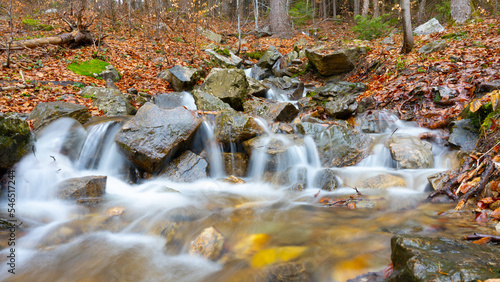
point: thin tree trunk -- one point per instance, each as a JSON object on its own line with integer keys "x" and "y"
{"x": 9, "y": 44}
{"x": 334, "y": 8}
{"x": 256, "y": 13}
{"x": 460, "y": 10}
{"x": 366, "y": 5}
{"x": 356, "y": 7}
{"x": 129, "y": 21}
{"x": 421, "y": 11}
{"x": 376, "y": 12}
{"x": 407, "y": 30}
{"x": 325, "y": 13}
{"x": 239, "y": 26}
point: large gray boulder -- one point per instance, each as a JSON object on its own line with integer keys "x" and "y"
{"x": 269, "y": 58}
{"x": 15, "y": 140}
{"x": 234, "y": 127}
{"x": 45, "y": 113}
{"x": 188, "y": 167}
{"x": 419, "y": 258}
{"x": 111, "y": 101}
{"x": 429, "y": 27}
{"x": 229, "y": 85}
{"x": 208, "y": 102}
{"x": 337, "y": 62}
{"x": 410, "y": 152}
{"x": 181, "y": 78}
{"x": 342, "y": 145}
{"x": 154, "y": 135}
{"x": 463, "y": 135}
{"x": 82, "y": 187}
{"x": 174, "y": 99}
{"x": 226, "y": 61}
{"x": 271, "y": 111}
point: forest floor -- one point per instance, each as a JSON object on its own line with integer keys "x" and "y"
{"x": 403, "y": 83}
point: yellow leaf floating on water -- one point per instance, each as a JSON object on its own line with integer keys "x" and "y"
{"x": 251, "y": 244}
{"x": 275, "y": 255}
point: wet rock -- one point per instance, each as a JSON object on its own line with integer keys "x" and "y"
{"x": 271, "y": 111}
{"x": 234, "y": 127}
{"x": 15, "y": 140}
{"x": 269, "y": 58}
{"x": 45, "y": 113}
{"x": 208, "y": 102}
{"x": 82, "y": 187}
{"x": 325, "y": 179}
{"x": 291, "y": 271}
{"x": 110, "y": 73}
{"x": 234, "y": 180}
{"x": 310, "y": 128}
{"x": 439, "y": 179}
{"x": 236, "y": 164}
{"x": 429, "y": 27}
{"x": 298, "y": 93}
{"x": 485, "y": 87}
{"x": 341, "y": 145}
{"x": 256, "y": 88}
{"x": 171, "y": 100}
{"x": 181, "y": 78}
{"x": 341, "y": 88}
{"x": 418, "y": 258}
{"x": 410, "y": 152}
{"x": 382, "y": 181}
{"x": 294, "y": 177}
{"x": 260, "y": 73}
{"x": 337, "y": 62}
{"x": 210, "y": 35}
{"x": 229, "y": 85}
{"x": 275, "y": 149}
{"x": 154, "y": 135}
{"x": 208, "y": 244}
{"x": 463, "y": 135}
{"x": 231, "y": 61}
{"x": 283, "y": 83}
{"x": 433, "y": 47}
{"x": 378, "y": 122}
{"x": 74, "y": 140}
{"x": 111, "y": 101}
{"x": 188, "y": 167}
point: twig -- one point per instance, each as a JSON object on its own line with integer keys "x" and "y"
{"x": 479, "y": 186}
{"x": 477, "y": 236}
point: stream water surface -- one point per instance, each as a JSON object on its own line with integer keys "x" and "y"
{"x": 143, "y": 232}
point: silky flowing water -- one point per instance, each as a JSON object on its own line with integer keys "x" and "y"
{"x": 143, "y": 232}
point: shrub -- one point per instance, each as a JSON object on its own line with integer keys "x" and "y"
{"x": 370, "y": 28}
{"x": 300, "y": 13}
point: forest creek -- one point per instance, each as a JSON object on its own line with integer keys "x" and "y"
{"x": 186, "y": 150}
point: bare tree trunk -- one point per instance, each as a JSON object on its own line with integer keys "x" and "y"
{"x": 376, "y": 12}
{"x": 256, "y": 13}
{"x": 278, "y": 16}
{"x": 407, "y": 30}
{"x": 129, "y": 21}
{"x": 239, "y": 26}
{"x": 460, "y": 10}
{"x": 356, "y": 7}
{"x": 334, "y": 8}
{"x": 421, "y": 11}
{"x": 9, "y": 44}
{"x": 325, "y": 13}
{"x": 366, "y": 5}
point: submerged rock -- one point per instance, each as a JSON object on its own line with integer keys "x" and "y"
{"x": 290, "y": 271}
{"x": 418, "y": 258}
{"x": 181, "y": 78}
{"x": 382, "y": 181}
{"x": 82, "y": 187}
{"x": 154, "y": 135}
{"x": 15, "y": 140}
{"x": 208, "y": 244}
{"x": 45, "y": 113}
{"x": 337, "y": 62}
{"x": 229, "y": 85}
{"x": 410, "y": 152}
{"x": 188, "y": 167}
{"x": 111, "y": 101}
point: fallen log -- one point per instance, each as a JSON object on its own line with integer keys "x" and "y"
{"x": 76, "y": 37}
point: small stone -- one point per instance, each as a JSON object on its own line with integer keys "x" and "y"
{"x": 208, "y": 244}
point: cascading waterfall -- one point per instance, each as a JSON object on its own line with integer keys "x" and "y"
{"x": 143, "y": 232}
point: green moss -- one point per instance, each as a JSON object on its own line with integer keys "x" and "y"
{"x": 455, "y": 35}
{"x": 255, "y": 55}
{"x": 224, "y": 52}
{"x": 88, "y": 68}
{"x": 311, "y": 94}
{"x": 36, "y": 25}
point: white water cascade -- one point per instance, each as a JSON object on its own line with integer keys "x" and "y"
{"x": 143, "y": 231}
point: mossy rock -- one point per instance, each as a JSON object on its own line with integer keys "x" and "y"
{"x": 89, "y": 68}
{"x": 33, "y": 24}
